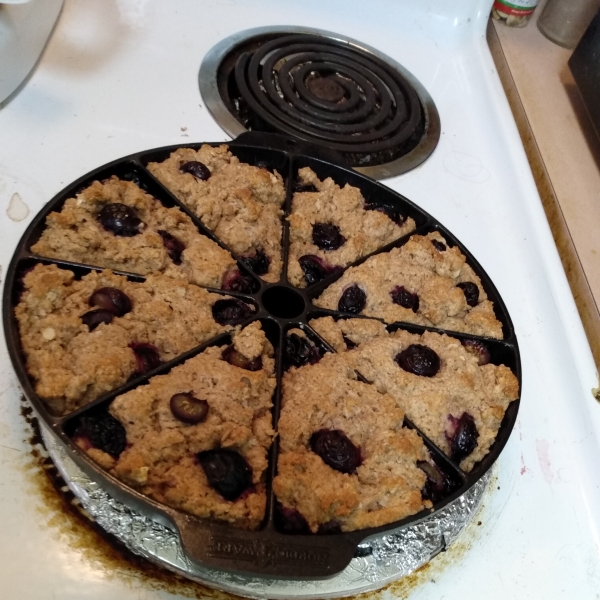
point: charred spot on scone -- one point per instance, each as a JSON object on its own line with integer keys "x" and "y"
{"x": 173, "y": 246}
{"x": 103, "y": 432}
{"x": 120, "y": 219}
{"x": 237, "y": 359}
{"x": 471, "y": 292}
{"x": 315, "y": 268}
{"x": 227, "y": 472}
{"x": 336, "y": 450}
{"x": 327, "y": 236}
{"x": 353, "y": 300}
{"x": 462, "y": 435}
{"x": 401, "y": 296}
{"x": 187, "y": 408}
{"x": 419, "y": 360}
{"x": 300, "y": 351}
{"x": 289, "y": 520}
{"x": 231, "y": 311}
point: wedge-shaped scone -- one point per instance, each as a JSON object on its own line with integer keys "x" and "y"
{"x": 331, "y": 227}
{"x": 440, "y": 385}
{"x": 424, "y": 282}
{"x": 345, "y": 459}
{"x": 79, "y": 346}
{"x": 116, "y": 225}
{"x": 197, "y": 438}
{"x": 240, "y": 203}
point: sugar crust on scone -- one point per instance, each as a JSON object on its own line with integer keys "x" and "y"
{"x": 240, "y": 203}
{"x": 433, "y": 275}
{"x": 365, "y": 230}
{"x": 75, "y": 234}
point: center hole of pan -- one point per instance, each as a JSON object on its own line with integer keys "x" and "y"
{"x": 283, "y": 302}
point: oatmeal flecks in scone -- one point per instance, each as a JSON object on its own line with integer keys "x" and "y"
{"x": 346, "y": 334}
{"x": 240, "y": 203}
{"x": 81, "y": 341}
{"x": 116, "y": 225}
{"x": 332, "y": 227}
{"x": 456, "y": 402}
{"x": 211, "y": 464}
{"x": 424, "y": 282}
{"x": 345, "y": 459}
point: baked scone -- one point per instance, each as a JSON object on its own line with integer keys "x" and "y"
{"x": 240, "y": 203}
{"x": 446, "y": 388}
{"x": 425, "y": 282}
{"x": 331, "y": 227}
{"x": 197, "y": 438}
{"x": 116, "y": 225}
{"x": 345, "y": 459}
{"x": 83, "y": 338}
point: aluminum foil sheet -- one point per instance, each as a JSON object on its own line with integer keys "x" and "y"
{"x": 383, "y": 558}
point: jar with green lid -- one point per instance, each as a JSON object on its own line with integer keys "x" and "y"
{"x": 514, "y": 14}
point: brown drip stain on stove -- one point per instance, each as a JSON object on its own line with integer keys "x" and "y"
{"x": 64, "y": 514}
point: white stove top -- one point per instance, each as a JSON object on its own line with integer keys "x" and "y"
{"x": 121, "y": 76}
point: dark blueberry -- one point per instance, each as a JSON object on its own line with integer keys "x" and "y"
{"x": 393, "y": 212}
{"x": 237, "y": 359}
{"x": 300, "y": 351}
{"x": 227, "y": 471}
{"x": 230, "y": 311}
{"x": 147, "y": 357}
{"x": 419, "y": 360}
{"x": 462, "y": 436}
{"x": 336, "y": 450}
{"x": 196, "y": 168}
{"x": 259, "y": 263}
{"x": 330, "y": 527}
{"x": 353, "y": 300}
{"x": 289, "y": 520}
{"x": 187, "y": 408}
{"x": 235, "y": 281}
{"x": 438, "y": 484}
{"x": 111, "y": 299}
{"x": 349, "y": 343}
{"x": 471, "y": 292}
{"x": 119, "y": 219}
{"x": 478, "y": 350}
{"x": 304, "y": 187}
{"x": 93, "y": 318}
{"x": 104, "y": 432}
{"x": 438, "y": 245}
{"x": 400, "y": 295}
{"x": 315, "y": 268}
{"x": 172, "y": 245}
{"x": 327, "y": 236}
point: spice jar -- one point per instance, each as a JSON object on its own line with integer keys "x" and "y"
{"x": 514, "y": 14}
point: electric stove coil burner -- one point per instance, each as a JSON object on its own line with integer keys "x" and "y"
{"x": 326, "y": 91}
{"x": 333, "y": 96}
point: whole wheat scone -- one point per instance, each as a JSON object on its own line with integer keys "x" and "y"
{"x": 333, "y": 224}
{"x": 162, "y": 456}
{"x": 71, "y": 364}
{"x": 76, "y": 234}
{"x": 383, "y": 485}
{"x": 424, "y": 282}
{"x": 240, "y": 203}
{"x": 437, "y": 402}
{"x": 345, "y": 334}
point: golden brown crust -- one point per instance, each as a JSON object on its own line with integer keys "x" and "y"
{"x": 239, "y": 202}
{"x": 75, "y": 234}
{"x": 431, "y": 274}
{"x": 364, "y": 230}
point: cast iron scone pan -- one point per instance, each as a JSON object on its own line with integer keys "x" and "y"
{"x": 281, "y": 307}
